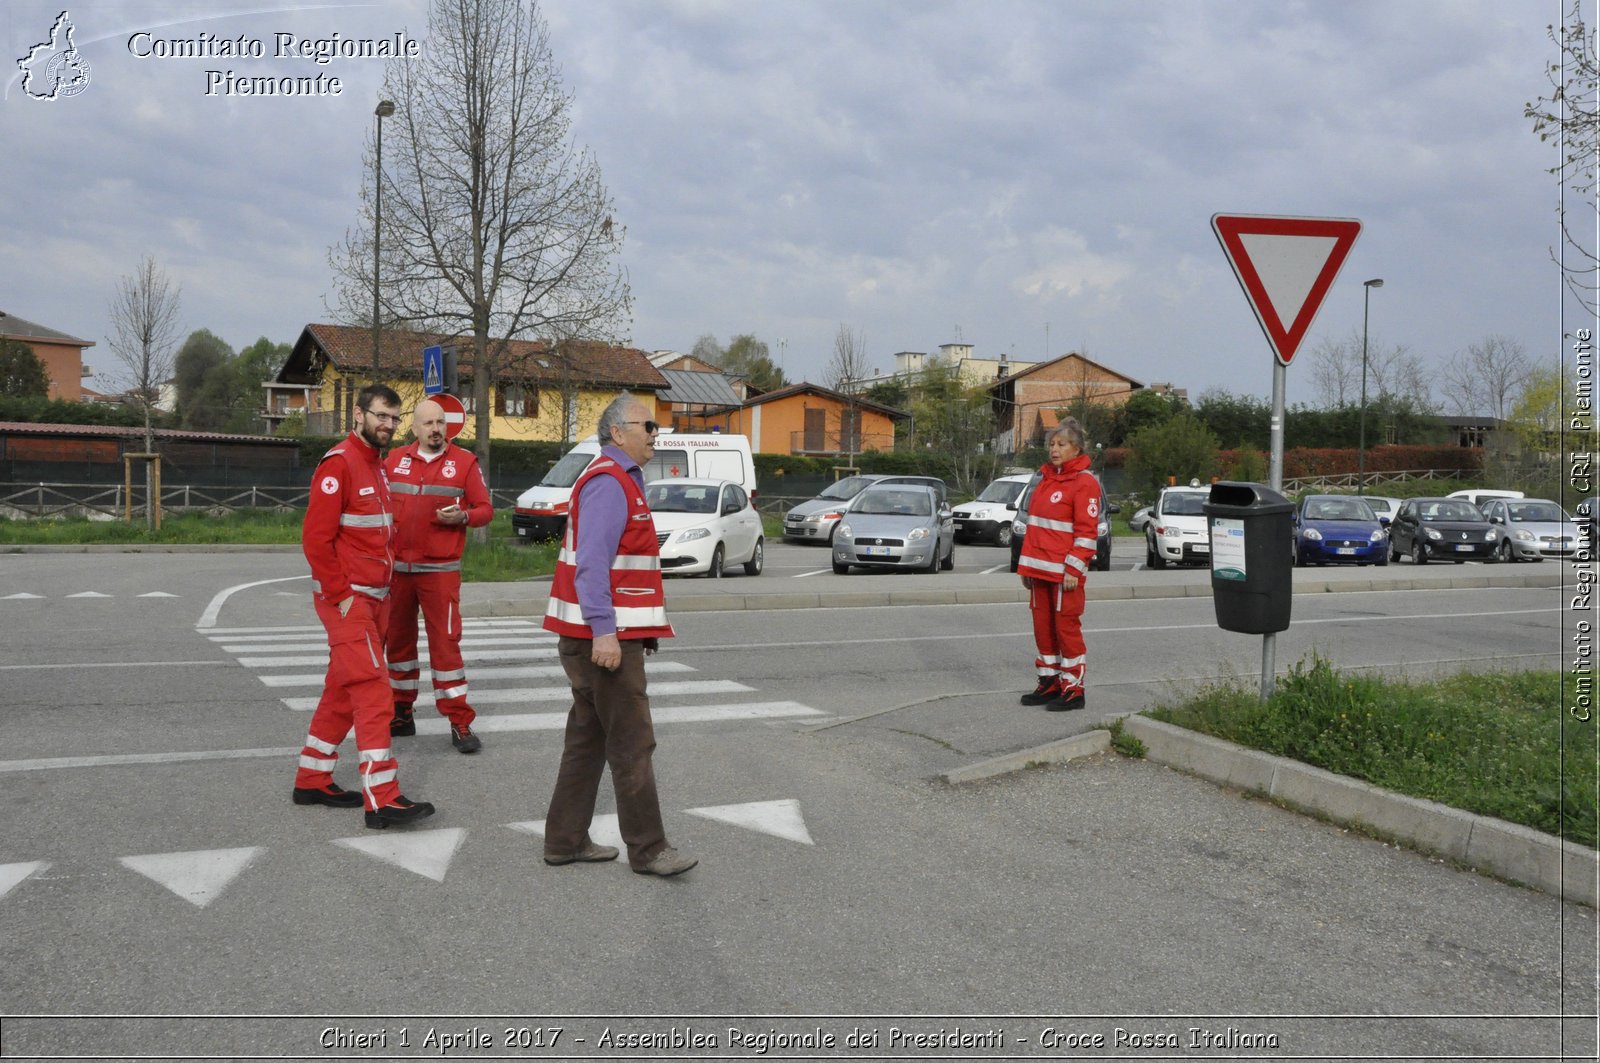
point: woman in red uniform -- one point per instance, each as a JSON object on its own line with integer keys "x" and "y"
{"x": 1063, "y": 527}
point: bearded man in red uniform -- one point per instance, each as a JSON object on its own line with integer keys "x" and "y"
{"x": 1063, "y": 531}
{"x": 348, "y": 539}
{"x": 439, "y": 492}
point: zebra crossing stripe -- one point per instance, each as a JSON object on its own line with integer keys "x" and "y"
{"x": 684, "y": 688}
{"x": 540, "y": 671}
{"x": 306, "y": 647}
{"x": 531, "y": 653}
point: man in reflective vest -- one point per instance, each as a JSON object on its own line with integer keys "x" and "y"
{"x": 1063, "y": 532}
{"x": 608, "y": 605}
{"x": 438, "y": 493}
{"x": 348, "y": 538}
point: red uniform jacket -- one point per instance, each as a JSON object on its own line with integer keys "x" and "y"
{"x": 348, "y": 534}
{"x": 1063, "y": 523}
{"x": 421, "y": 488}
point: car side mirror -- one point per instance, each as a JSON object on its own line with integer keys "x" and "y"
{"x": 1113, "y": 508}
{"x": 731, "y": 507}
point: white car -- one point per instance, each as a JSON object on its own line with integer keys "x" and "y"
{"x": 1482, "y": 496}
{"x": 1176, "y": 532}
{"x": 990, "y": 515}
{"x": 704, "y": 526}
{"x": 1383, "y": 506}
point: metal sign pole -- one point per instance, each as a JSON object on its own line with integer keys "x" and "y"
{"x": 1280, "y": 385}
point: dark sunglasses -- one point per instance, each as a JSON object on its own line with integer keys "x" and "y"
{"x": 650, "y": 427}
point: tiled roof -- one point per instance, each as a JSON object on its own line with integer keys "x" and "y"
{"x": 117, "y": 431}
{"x": 13, "y": 327}
{"x": 1036, "y": 366}
{"x": 806, "y": 387}
{"x": 699, "y": 389}
{"x": 400, "y": 355}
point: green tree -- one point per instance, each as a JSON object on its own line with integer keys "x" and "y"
{"x": 202, "y": 373}
{"x": 1180, "y": 447}
{"x": 1236, "y": 420}
{"x": 1143, "y": 409}
{"x": 750, "y": 358}
{"x": 22, "y": 374}
{"x": 255, "y": 366}
{"x": 1570, "y": 117}
{"x": 958, "y": 423}
{"x": 892, "y": 392}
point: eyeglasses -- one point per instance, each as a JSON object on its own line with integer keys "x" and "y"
{"x": 386, "y": 418}
{"x": 650, "y": 427}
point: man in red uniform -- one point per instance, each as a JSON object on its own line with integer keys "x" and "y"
{"x": 439, "y": 492}
{"x": 1063, "y": 530}
{"x": 610, "y": 609}
{"x": 348, "y": 539}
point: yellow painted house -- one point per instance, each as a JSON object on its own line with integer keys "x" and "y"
{"x": 539, "y": 394}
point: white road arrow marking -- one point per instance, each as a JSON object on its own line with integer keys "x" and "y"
{"x": 24, "y": 594}
{"x": 427, "y": 853}
{"x": 198, "y": 877}
{"x": 781, "y": 819}
{"x": 88, "y": 594}
{"x": 158, "y": 594}
{"x": 603, "y": 830}
{"x": 11, "y": 875}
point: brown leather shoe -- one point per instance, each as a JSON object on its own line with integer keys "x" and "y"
{"x": 666, "y": 863}
{"x": 592, "y": 853}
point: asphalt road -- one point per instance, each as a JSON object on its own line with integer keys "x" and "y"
{"x": 153, "y": 866}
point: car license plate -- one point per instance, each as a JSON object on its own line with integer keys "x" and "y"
{"x": 875, "y": 551}
{"x": 1464, "y": 548}
{"x": 522, "y": 531}
{"x": 1345, "y": 550}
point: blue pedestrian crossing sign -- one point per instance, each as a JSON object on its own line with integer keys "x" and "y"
{"x": 433, "y": 370}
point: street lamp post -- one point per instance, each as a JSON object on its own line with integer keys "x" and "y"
{"x": 385, "y": 109}
{"x": 1361, "y": 452}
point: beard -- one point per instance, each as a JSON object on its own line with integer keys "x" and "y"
{"x": 377, "y": 437}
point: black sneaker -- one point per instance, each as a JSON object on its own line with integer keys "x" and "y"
{"x": 1048, "y": 690}
{"x": 404, "y": 725}
{"x": 333, "y": 795}
{"x": 464, "y": 740}
{"x": 1066, "y": 703}
{"x": 399, "y": 814}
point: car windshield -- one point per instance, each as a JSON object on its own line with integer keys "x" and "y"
{"x": 885, "y": 501}
{"x": 565, "y": 472}
{"x": 1004, "y": 491}
{"x": 1187, "y": 504}
{"x": 1338, "y": 509}
{"x": 1379, "y": 505}
{"x": 682, "y": 498}
{"x": 1451, "y": 511}
{"x": 846, "y": 489}
{"x": 1535, "y": 512}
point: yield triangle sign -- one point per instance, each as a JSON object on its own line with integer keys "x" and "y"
{"x": 781, "y": 819}
{"x": 427, "y": 853}
{"x": 198, "y": 877}
{"x": 1285, "y": 266}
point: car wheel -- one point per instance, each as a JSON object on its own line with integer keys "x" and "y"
{"x": 840, "y": 568}
{"x": 1383, "y": 559}
{"x": 1003, "y": 536}
{"x": 1506, "y": 555}
{"x": 1419, "y": 556}
{"x": 752, "y": 567}
{"x": 1299, "y": 558}
{"x": 715, "y": 572}
{"x": 949, "y": 562}
{"x": 1394, "y": 550}
{"x": 933, "y": 559}
{"x": 1155, "y": 558}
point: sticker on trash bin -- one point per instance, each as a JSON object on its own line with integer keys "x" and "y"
{"x": 1227, "y": 548}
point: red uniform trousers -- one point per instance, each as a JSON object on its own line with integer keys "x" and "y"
{"x": 1058, "y": 633}
{"x": 356, "y": 693}
{"x": 439, "y": 594}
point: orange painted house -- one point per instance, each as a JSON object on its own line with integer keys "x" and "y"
{"x": 810, "y": 419}
{"x": 61, "y": 354}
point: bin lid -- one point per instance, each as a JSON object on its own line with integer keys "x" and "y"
{"x": 1231, "y": 498}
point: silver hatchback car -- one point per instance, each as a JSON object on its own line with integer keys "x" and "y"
{"x": 1532, "y": 529}
{"x": 896, "y": 526}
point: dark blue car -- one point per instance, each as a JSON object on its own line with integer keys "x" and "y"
{"x": 1338, "y": 528}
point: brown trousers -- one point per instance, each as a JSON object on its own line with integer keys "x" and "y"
{"x": 609, "y": 725}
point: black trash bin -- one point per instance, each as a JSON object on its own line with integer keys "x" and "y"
{"x": 1252, "y": 557}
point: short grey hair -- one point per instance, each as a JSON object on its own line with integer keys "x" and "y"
{"x": 1070, "y": 428}
{"x": 615, "y": 415}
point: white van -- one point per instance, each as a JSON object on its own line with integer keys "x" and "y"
{"x": 541, "y": 510}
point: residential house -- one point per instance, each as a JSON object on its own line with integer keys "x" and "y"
{"x": 695, "y": 398}
{"x": 540, "y": 393}
{"x": 809, "y": 419}
{"x": 911, "y": 366}
{"x": 61, "y": 354}
{"x": 1028, "y": 403}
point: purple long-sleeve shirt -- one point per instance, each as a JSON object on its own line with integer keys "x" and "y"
{"x": 604, "y": 509}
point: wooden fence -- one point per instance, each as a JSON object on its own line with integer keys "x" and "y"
{"x": 80, "y": 500}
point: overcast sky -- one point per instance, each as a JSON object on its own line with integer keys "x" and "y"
{"x": 1003, "y": 171}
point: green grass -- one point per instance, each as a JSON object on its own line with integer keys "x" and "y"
{"x": 502, "y": 559}
{"x": 1497, "y": 744}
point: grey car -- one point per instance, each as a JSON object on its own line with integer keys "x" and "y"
{"x": 815, "y": 520}
{"x": 896, "y": 526}
{"x": 1531, "y": 529}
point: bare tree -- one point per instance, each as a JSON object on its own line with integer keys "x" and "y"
{"x": 1570, "y": 116}
{"x": 845, "y": 369}
{"x": 495, "y": 227}
{"x": 1392, "y": 373}
{"x": 1486, "y": 378}
{"x": 144, "y": 326}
